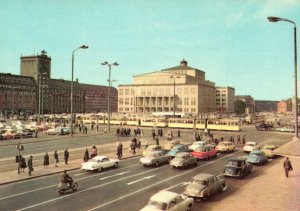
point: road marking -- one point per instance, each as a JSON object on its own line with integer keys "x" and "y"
{"x": 149, "y": 177}
{"x": 170, "y": 178}
{"x": 103, "y": 178}
{"x": 80, "y": 174}
{"x": 125, "y": 196}
{"x": 31, "y": 191}
{"x": 180, "y": 184}
{"x": 82, "y": 191}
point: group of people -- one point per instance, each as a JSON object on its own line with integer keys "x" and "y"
{"x": 123, "y": 132}
{"x": 23, "y": 165}
{"x": 46, "y": 161}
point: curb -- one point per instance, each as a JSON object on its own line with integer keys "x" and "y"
{"x": 52, "y": 173}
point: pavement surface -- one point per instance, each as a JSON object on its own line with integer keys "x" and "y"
{"x": 270, "y": 190}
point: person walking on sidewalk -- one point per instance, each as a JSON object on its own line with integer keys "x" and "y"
{"x": 56, "y": 158}
{"x": 287, "y": 165}
{"x": 66, "y": 156}
{"x": 23, "y": 164}
{"x": 30, "y": 165}
{"x": 46, "y": 160}
{"x": 120, "y": 151}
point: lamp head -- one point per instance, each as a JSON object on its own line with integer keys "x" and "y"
{"x": 273, "y": 19}
{"x": 116, "y": 64}
{"x": 84, "y": 46}
{"x": 105, "y": 63}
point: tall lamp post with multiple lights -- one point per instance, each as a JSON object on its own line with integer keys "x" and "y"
{"x": 108, "y": 93}
{"x": 174, "y": 85}
{"x": 276, "y": 19}
{"x": 71, "y": 96}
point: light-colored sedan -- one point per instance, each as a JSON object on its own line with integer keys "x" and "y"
{"x": 225, "y": 146}
{"x": 286, "y": 129}
{"x": 151, "y": 148}
{"x": 155, "y": 158}
{"x": 197, "y": 144}
{"x": 184, "y": 159}
{"x": 53, "y": 131}
{"x": 269, "y": 150}
{"x": 169, "y": 201}
{"x": 204, "y": 186}
{"x": 100, "y": 163}
{"x": 251, "y": 145}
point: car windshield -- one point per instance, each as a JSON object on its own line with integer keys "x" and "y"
{"x": 234, "y": 163}
{"x": 97, "y": 160}
{"x": 153, "y": 155}
{"x": 251, "y": 145}
{"x": 158, "y": 205}
{"x": 199, "y": 182}
{"x": 255, "y": 154}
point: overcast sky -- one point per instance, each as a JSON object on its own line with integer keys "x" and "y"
{"x": 230, "y": 40}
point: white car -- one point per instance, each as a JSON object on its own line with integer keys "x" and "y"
{"x": 251, "y": 145}
{"x": 53, "y": 131}
{"x": 197, "y": 144}
{"x": 169, "y": 201}
{"x": 100, "y": 163}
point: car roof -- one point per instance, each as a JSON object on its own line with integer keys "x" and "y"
{"x": 203, "y": 176}
{"x": 251, "y": 142}
{"x": 100, "y": 157}
{"x": 256, "y": 151}
{"x": 236, "y": 159}
{"x": 183, "y": 153}
{"x": 164, "y": 196}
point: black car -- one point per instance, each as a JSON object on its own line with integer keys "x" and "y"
{"x": 237, "y": 167}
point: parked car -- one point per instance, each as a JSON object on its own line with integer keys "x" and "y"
{"x": 225, "y": 146}
{"x": 257, "y": 157}
{"x": 269, "y": 150}
{"x": 237, "y": 167}
{"x": 178, "y": 148}
{"x": 264, "y": 126}
{"x": 204, "y": 186}
{"x": 197, "y": 144}
{"x": 286, "y": 129}
{"x": 155, "y": 158}
{"x": 169, "y": 201}
{"x": 204, "y": 152}
{"x": 184, "y": 159}
{"x": 151, "y": 148}
{"x": 100, "y": 163}
{"x": 251, "y": 145}
{"x": 53, "y": 131}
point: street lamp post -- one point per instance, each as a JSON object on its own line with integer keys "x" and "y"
{"x": 71, "y": 96}
{"x": 39, "y": 75}
{"x": 174, "y": 84}
{"x": 276, "y": 19}
{"x": 108, "y": 93}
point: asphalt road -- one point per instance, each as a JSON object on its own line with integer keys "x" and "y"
{"x": 130, "y": 186}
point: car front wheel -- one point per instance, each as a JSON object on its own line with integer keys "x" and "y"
{"x": 116, "y": 164}
{"x": 189, "y": 208}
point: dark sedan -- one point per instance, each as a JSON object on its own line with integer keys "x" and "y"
{"x": 237, "y": 167}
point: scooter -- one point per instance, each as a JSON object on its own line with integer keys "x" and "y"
{"x": 63, "y": 187}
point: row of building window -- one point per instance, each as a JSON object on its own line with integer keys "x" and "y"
{"x": 161, "y": 91}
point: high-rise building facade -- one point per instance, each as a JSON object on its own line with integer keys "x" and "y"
{"x": 225, "y": 97}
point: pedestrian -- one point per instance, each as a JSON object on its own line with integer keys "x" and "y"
{"x": 30, "y": 165}
{"x": 120, "y": 151}
{"x": 244, "y": 140}
{"x": 46, "y": 160}
{"x": 178, "y": 133}
{"x": 93, "y": 151}
{"x": 36, "y": 133}
{"x": 157, "y": 140}
{"x": 56, "y": 158}
{"x": 287, "y": 165}
{"x": 23, "y": 164}
{"x": 66, "y": 156}
{"x": 86, "y": 155}
{"x": 138, "y": 145}
{"x": 132, "y": 147}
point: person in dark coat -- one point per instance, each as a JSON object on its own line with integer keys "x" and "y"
{"x": 30, "y": 165}
{"x": 66, "y": 156}
{"x": 120, "y": 151}
{"x": 56, "y": 158}
{"x": 178, "y": 133}
{"x": 86, "y": 155}
{"x": 46, "y": 161}
{"x": 287, "y": 165}
{"x": 23, "y": 164}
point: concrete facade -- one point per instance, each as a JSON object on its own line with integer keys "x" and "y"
{"x": 225, "y": 97}
{"x": 182, "y": 88}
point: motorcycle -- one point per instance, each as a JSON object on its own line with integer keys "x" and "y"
{"x": 63, "y": 187}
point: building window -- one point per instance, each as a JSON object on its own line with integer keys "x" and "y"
{"x": 121, "y": 101}
{"x": 193, "y": 101}
{"x": 186, "y": 91}
{"x": 193, "y": 90}
{"x": 186, "y": 101}
{"x": 126, "y": 91}
{"x": 126, "y": 101}
{"x": 179, "y": 90}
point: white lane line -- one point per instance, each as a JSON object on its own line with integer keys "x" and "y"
{"x": 51, "y": 186}
{"x": 170, "y": 178}
{"x": 119, "y": 174}
{"x": 98, "y": 186}
{"x": 180, "y": 184}
{"x": 76, "y": 175}
{"x": 149, "y": 177}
